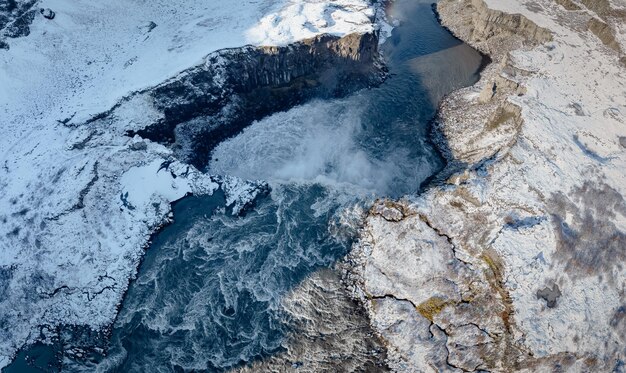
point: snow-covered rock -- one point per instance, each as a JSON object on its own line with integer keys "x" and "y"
{"x": 517, "y": 262}
{"x": 79, "y": 199}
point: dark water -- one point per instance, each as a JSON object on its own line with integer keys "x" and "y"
{"x": 208, "y": 294}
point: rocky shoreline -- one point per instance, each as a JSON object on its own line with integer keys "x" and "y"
{"x": 81, "y": 198}
{"x": 515, "y": 262}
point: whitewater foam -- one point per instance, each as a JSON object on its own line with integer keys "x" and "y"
{"x": 321, "y": 142}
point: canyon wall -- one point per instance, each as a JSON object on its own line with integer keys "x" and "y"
{"x": 80, "y": 198}
{"x": 206, "y": 104}
{"x": 514, "y": 259}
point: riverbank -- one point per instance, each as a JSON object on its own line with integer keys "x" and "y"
{"x": 256, "y": 288}
{"x": 79, "y": 198}
{"x": 516, "y": 262}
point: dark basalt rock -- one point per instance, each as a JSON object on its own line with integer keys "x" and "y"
{"x": 209, "y": 103}
{"x": 21, "y": 25}
{"x": 549, "y": 295}
{"x": 139, "y": 146}
{"x": 148, "y": 27}
{"x": 47, "y": 13}
{"x": 15, "y": 19}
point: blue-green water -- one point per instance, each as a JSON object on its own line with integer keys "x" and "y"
{"x": 208, "y": 294}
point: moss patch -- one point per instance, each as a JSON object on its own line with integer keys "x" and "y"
{"x": 432, "y": 307}
{"x": 502, "y": 116}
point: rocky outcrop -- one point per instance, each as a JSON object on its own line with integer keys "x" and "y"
{"x": 436, "y": 308}
{"x": 47, "y": 13}
{"x": 329, "y": 333}
{"x": 605, "y": 33}
{"x": 204, "y": 105}
{"x": 604, "y": 9}
{"x": 15, "y": 19}
{"x": 503, "y": 264}
{"x": 603, "y": 23}
{"x": 495, "y": 33}
{"x": 491, "y": 31}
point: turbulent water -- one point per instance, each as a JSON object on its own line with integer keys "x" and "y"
{"x": 208, "y": 294}
{"x": 374, "y": 142}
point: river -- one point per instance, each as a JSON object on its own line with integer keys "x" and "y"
{"x": 208, "y": 293}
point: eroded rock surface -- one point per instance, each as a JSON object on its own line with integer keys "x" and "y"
{"x": 515, "y": 260}
{"x": 204, "y": 105}
{"x": 79, "y": 198}
{"x": 329, "y": 332}
{"x": 15, "y": 19}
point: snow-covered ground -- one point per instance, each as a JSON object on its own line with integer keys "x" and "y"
{"x": 518, "y": 263}
{"x": 78, "y": 202}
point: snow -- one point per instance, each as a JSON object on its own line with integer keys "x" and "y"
{"x": 547, "y": 200}
{"x": 78, "y": 202}
{"x": 301, "y": 19}
{"x": 142, "y": 182}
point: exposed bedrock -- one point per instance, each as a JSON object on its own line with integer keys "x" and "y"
{"x": 605, "y": 26}
{"x": 473, "y": 139}
{"x": 202, "y": 106}
{"x": 435, "y": 310}
{"x": 491, "y": 31}
{"x": 15, "y": 19}
{"x": 329, "y": 332}
{"x": 513, "y": 259}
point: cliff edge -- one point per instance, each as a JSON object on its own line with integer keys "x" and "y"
{"x": 514, "y": 261}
